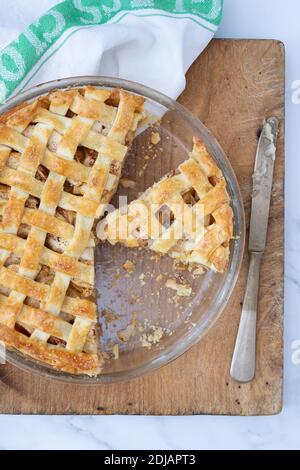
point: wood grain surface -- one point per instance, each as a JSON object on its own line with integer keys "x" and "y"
{"x": 232, "y": 87}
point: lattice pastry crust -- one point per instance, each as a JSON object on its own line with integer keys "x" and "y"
{"x": 60, "y": 160}
{"x": 199, "y": 225}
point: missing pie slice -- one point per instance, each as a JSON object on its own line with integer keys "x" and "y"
{"x": 187, "y": 215}
{"x": 60, "y": 159}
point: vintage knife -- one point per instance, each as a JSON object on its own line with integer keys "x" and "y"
{"x": 244, "y": 355}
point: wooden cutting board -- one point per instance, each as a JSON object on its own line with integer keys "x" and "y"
{"x": 232, "y": 87}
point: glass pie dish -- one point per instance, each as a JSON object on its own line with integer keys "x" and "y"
{"x": 146, "y": 321}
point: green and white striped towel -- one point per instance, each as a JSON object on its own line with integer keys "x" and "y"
{"x": 149, "y": 41}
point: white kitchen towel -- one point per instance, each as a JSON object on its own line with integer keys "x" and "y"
{"x": 148, "y": 41}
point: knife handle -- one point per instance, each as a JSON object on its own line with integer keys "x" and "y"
{"x": 243, "y": 360}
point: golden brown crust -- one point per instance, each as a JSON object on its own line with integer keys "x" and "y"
{"x": 60, "y": 359}
{"x": 48, "y": 222}
{"x": 17, "y": 113}
{"x": 37, "y": 317}
{"x": 198, "y": 177}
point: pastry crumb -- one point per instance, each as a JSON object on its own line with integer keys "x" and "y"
{"x": 152, "y": 338}
{"x": 155, "y": 138}
{"x": 198, "y": 271}
{"x": 129, "y": 266}
{"x": 115, "y": 351}
{"x": 181, "y": 289}
{"x": 127, "y": 333}
{"x": 109, "y": 316}
{"x": 132, "y": 296}
{"x": 179, "y": 266}
{"x": 155, "y": 257}
{"x": 126, "y": 183}
{"x": 141, "y": 278}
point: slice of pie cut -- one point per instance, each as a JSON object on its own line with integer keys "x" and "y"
{"x": 187, "y": 215}
{"x": 60, "y": 159}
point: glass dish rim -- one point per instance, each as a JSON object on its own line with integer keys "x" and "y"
{"x": 197, "y": 333}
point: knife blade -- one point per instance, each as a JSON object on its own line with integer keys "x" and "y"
{"x": 262, "y": 185}
{"x": 244, "y": 354}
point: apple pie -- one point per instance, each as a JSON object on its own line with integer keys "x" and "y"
{"x": 61, "y": 158}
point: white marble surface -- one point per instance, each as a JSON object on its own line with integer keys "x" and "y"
{"x": 243, "y": 19}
